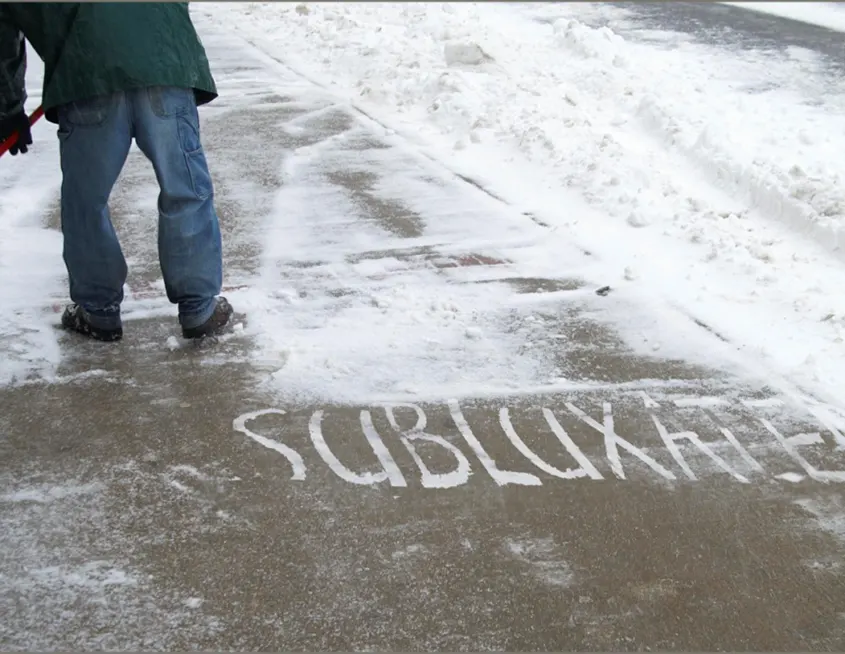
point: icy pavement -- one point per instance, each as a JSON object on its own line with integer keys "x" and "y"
{"x": 443, "y": 424}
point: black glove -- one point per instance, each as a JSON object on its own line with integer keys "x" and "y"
{"x": 19, "y": 123}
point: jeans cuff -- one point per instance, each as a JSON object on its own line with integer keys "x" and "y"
{"x": 109, "y": 319}
{"x": 195, "y": 319}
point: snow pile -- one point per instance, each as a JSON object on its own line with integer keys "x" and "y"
{"x": 469, "y": 54}
{"x": 558, "y": 83}
{"x": 694, "y": 185}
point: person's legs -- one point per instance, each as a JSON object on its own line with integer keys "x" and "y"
{"x": 94, "y": 140}
{"x": 167, "y": 132}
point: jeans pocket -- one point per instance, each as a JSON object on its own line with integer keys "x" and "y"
{"x": 200, "y": 176}
{"x": 64, "y": 130}
{"x": 188, "y": 128}
{"x": 91, "y": 112}
{"x": 169, "y": 101}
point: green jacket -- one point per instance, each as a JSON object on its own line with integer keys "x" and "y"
{"x": 92, "y": 48}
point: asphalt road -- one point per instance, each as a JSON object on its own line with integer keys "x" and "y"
{"x": 734, "y": 27}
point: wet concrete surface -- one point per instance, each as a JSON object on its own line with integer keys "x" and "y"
{"x": 163, "y": 497}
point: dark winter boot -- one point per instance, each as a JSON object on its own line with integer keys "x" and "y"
{"x": 215, "y": 324}
{"x": 74, "y": 319}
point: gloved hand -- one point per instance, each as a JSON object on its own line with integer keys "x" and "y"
{"x": 19, "y": 123}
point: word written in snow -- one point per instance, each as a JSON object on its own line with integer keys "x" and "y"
{"x": 584, "y": 468}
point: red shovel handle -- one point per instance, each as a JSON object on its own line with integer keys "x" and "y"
{"x": 9, "y": 142}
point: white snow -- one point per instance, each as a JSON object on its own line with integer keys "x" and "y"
{"x": 705, "y": 177}
{"x": 398, "y": 328}
{"x": 31, "y": 268}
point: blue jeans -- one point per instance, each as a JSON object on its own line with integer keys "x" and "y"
{"x": 94, "y": 137}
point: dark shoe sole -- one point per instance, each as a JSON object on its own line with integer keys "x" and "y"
{"x": 73, "y": 319}
{"x": 215, "y": 325}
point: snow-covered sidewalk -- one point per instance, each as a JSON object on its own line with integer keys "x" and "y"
{"x": 709, "y": 177}
{"x": 432, "y": 391}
